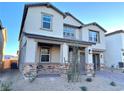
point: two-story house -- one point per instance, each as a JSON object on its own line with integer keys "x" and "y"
{"x": 2, "y": 43}
{"x": 47, "y": 38}
{"x": 93, "y": 32}
{"x": 114, "y": 48}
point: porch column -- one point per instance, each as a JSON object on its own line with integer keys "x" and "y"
{"x": 89, "y": 61}
{"x": 64, "y": 53}
{"x": 102, "y": 64}
{"x": 30, "y": 58}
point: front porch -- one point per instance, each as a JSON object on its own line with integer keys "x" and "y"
{"x": 54, "y": 55}
{"x": 57, "y": 58}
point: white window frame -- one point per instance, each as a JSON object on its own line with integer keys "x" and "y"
{"x": 69, "y": 32}
{"x": 98, "y": 36}
{"x": 44, "y": 14}
{"x": 44, "y": 54}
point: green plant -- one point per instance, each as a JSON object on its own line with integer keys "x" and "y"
{"x": 73, "y": 73}
{"x": 89, "y": 79}
{"x": 69, "y": 76}
{"x": 5, "y": 86}
{"x": 83, "y": 88}
{"x": 113, "y": 83}
{"x": 32, "y": 77}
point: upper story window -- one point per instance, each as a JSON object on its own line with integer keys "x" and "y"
{"x": 47, "y": 22}
{"x": 69, "y": 32}
{"x": 94, "y": 36}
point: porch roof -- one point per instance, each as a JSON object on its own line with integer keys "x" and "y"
{"x": 57, "y": 39}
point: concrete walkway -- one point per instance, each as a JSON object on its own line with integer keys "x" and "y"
{"x": 113, "y": 76}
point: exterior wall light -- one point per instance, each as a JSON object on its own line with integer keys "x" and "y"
{"x": 90, "y": 51}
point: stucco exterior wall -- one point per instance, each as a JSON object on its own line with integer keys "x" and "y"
{"x": 38, "y": 54}
{"x": 31, "y": 48}
{"x": 23, "y": 41}
{"x": 64, "y": 50}
{"x": 113, "y": 50}
{"x": 55, "y": 54}
{"x": 122, "y": 47}
{"x": 71, "y": 21}
{"x": 34, "y": 19}
{"x": 78, "y": 34}
{"x": 22, "y": 51}
{"x": 85, "y": 36}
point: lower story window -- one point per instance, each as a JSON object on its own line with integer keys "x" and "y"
{"x": 45, "y": 55}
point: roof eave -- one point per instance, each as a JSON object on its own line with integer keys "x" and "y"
{"x": 57, "y": 39}
{"x": 69, "y": 14}
{"x": 33, "y": 5}
{"x": 114, "y": 32}
{"x": 94, "y": 23}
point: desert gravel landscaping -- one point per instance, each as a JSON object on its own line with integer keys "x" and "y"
{"x": 56, "y": 83}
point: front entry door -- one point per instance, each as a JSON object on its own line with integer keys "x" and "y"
{"x": 82, "y": 63}
{"x": 96, "y": 61}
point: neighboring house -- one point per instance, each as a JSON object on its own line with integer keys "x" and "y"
{"x": 2, "y": 43}
{"x": 114, "y": 48}
{"x": 47, "y": 37}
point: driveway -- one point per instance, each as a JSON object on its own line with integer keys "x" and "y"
{"x": 113, "y": 76}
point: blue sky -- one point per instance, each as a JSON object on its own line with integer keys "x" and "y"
{"x": 109, "y": 15}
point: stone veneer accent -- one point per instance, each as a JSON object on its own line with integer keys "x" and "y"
{"x": 48, "y": 68}
{"x": 89, "y": 69}
{"x": 54, "y": 68}
{"x": 102, "y": 66}
{"x": 29, "y": 69}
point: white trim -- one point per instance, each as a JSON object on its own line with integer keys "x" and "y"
{"x": 43, "y": 14}
{"x": 98, "y": 36}
{"x": 45, "y": 54}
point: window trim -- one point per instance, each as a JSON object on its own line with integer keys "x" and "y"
{"x": 70, "y": 33}
{"x": 51, "y": 23}
{"x": 45, "y": 54}
{"x": 98, "y": 41}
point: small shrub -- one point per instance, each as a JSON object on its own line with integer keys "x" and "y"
{"x": 5, "y": 86}
{"x": 83, "y": 88}
{"x": 32, "y": 78}
{"x": 89, "y": 79}
{"x": 113, "y": 83}
{"x": 69, "y": 77}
